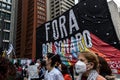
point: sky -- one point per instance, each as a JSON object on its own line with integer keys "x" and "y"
{"x": 76, "y": 1}
{"x": 117, "y": 2}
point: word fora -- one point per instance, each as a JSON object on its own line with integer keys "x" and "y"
{"x": 58, "y": 26}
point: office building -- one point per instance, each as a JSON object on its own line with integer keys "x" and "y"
{"x": 31, "y": 14}
{"x": 7, "y": 22}
{"x": 57, "y": 7}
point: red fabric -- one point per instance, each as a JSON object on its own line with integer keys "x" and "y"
{"x": 103, "y": 48}
{"x": 110, "y": 53}
{"x": 67, "y": 77}
{"x": 19, "y": 69}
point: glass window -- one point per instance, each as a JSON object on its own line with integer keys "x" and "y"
{"x": 8, "y": 16}
{"x": 6, "y": 35}
{"x": 9, "y": 7}
{"x": 7, "y": 26}
{"x": 9, "y": 1}
{"x": 3, "y": 14}
{"x": 57, "y": 14}
{"x": 4, "y": 6}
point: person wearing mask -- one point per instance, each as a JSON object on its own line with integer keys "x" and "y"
{"x": 52, "y": 73}
{"x": 87, "y": 66}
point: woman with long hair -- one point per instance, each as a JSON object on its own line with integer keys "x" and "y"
{"x": 87, "y": 66}
{"x": 104, "y": 69}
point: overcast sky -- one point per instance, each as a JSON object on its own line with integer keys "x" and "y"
{"x": 76, "y": 1}
{"x": 117, "y": 2}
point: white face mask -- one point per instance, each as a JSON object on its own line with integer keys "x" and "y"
{"x": 80, "y": 67}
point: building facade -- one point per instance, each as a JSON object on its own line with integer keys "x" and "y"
{"x": 7, "y": 22}
{"x": 57, "y": 7}
{"x": 114, "y": 10}
{"x": 31, "y": 14}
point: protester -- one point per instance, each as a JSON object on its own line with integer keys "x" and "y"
{"x": 18, "y": 68}
{"x": 37, "y": 62}
{"x": 65, "y": 72}
{"x": 58, "y": 61}
{"x": 25, "y": 74}
{"x": 104, "y": 69}
{"x": 52, "y": 73}
{"x": 42, "y": 70}
{"x": 87, "y": 66}
{"x": 33, "y": 73}
{"x": 7, "y": 69}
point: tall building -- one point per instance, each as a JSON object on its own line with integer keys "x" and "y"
{"x": 113, "y": 8}
{"x": 7, "y": 22}
{"x": 31, "y": 14}
{"x": 57, "y": 7}
{"x": 13, "y": 23}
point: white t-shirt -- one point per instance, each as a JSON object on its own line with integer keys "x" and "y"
{"x": 33, "y": 71}
{"x": 54, "y": 74}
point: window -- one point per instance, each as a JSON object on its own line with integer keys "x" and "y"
{"x": 56, "y": 2}
{"x": 6, "y": 35}
{"x": 3, "y": 14}
{"x": 57, "y": 14}
{"x": 57, "y": 10}
{"x": 9, "y": 1}
{"x": 4, "y": 6}
{"x": 8, "y": 16}
{"x": 7, "y": 26}
{"x": 9, "y": 7}
{"x": 40, "y": 8}
{"x": 57, "y": 6}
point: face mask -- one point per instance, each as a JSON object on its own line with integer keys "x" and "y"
{"x": 80, "y": 67}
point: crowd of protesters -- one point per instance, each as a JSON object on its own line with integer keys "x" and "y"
{"x": 89, "y": 66}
